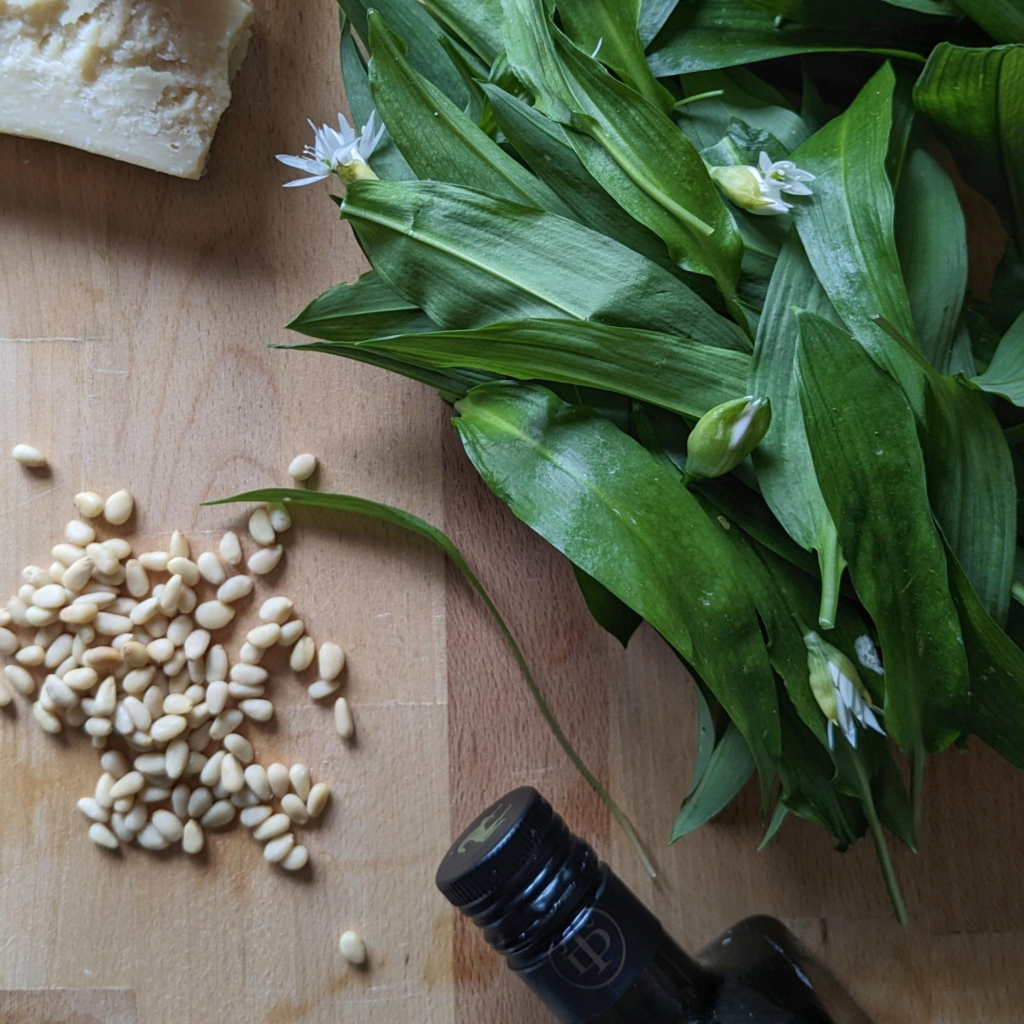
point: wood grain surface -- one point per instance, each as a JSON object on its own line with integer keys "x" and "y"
{"x": 135, "y": 311}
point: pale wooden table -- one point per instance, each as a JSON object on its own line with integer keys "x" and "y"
{"x": 134, "y": 314}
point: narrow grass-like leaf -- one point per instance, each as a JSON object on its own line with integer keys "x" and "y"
{"x": 1005, "y": 374}
{"x": 616, "y": 512}
{"x": 407, "y": 521}
{"x": 677, "y": 374}
{"x": 706, "y": 738}
{"x": 468, "y": 258}
{"x": 869, "y": 465}
{"x": 476, "y": 21}
{"x": 653, "y": 14}
{"x": 728, "y": 771}
{"x": 1003, "y": 20}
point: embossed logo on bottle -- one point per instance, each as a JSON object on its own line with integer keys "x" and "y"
{"x": 594, "y": 956}
{"x": 486, "y": 828}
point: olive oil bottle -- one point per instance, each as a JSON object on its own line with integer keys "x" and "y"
{"x": 573, "y": 931}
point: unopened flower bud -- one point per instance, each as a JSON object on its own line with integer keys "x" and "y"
{"x": 726, "y": 435}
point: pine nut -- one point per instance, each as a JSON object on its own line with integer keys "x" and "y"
{"x": 179, "y": 546}
{"x": 296, "y": 860}
{"x": 135, "y": 656}
{"x": 257, "y": 709}
{"x": 78, "y": 574}
{"x": 5, "y": 695}
{"x": 279, "y": 779}
{"x": 18, "y": 611}
{"x": 230, "y": 548}
{"x": 251, "y": 817}
{"x": 193, "y": 838}
{"x": 177, "y": 759}
{"x": 235, "y": 589}
{"x": 154, "y": 794}
{"x": 153, "y": 765}
{"x": 136, "y": 816}
{"x": 211, "y": 569}
{"x": 318, "y": 797}
{"x": 93, "y": 809}
{"x": 264, "y": 636}
{"x": 99, "y": 726}
{"x": 179, "y": 799}
{"x": 52, "y": 596}
{"x": 141, "y": 716}
{"x": 302, "y": 654}
{"x": 109, "y": 624}
{"x": 115, "y": 764}
{"x": 231, "y": 774}
{"x": 35, "y": 575}
{"x": 21, "y": 679}
{"x": 248, "y": 674}
{"x": 260, "y": 529}
{"x": 196, "y": 761}
{"x": 160, "y": 651}
{"x": 106, "y": 697}
{"x": 302, "y": 467}
{"x": 180, "y": 630}
{"x": 77, "y": 532}
{"x": 32, "y": 656}
{"x": 136, "y": 578}
{"x": 295, "y": 808}
{"x": 28, "y": 456}
{"x": 257, "y": 780}
{"x": 277, "y": 849}
{"x": 239, "y": 746}
{"x": 177, "y": 704}
{"x": 128, "y": 785}
{"x": 275, "y": 825}
{"x": 139, "y": 740}
{"x": 40, "y": 616}
{"x": 46, "y": 720}
{"x": 120, "y": 828}
{"x": 199, "y": 802}
{"x": 352, "y": 948}
{"x": 186, "y": 569}
{"x": 103, "y": 659}
{"x": 214, "y": 614}
{"x": 251, "y": 655}
{"x": 298, "y": 776}
{"x": 224, "y": 723}
{"x": 216, "y": 697}
{"x": 170, "y": 595}
{"x": 151, "y": 838}
{"x": 216, "y": 664}
{"x": 67, "y": 553}
{"x": 8, "y": 642}
{"x": 266, "y": 560}
{"x": 343, "y": 718}
{"x": 168, "y": 825}
{"x": 139, "y": 679}
{"x": 220, "y": 814}
{"x": 167, "y": 727}
{"x": 331, "y": 661}
{"x": 157, "y": 626}
{"x": 154, "y": 561}
{"x": 291, "y": 631}
{"x": 89, "y": 504}
{"x": 246, "y": 691}
{"x": 79, "y": 614}
{"x": 102, "y": 836}
{"x": 280, "y": 517}
{"x": 118, "y": 508}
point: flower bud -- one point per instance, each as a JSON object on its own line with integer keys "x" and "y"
{"x": 742, "y": 185}
{"x": 726, "y": 435}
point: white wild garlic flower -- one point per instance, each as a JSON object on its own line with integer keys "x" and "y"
{"x": 760, "y": 189}
{"x": 334, "y": 149}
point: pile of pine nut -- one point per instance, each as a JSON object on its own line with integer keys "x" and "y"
{"x": 127, "y": 650}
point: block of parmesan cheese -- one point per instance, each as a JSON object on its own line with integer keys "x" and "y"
{"x": 144, "y": 81}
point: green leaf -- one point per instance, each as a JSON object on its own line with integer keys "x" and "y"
{"x": 975, "y": 99}
{"x": 706, "y": 738}
{"x": 931, "y": 239}
{"x": 612, "y": 26}
{"x": 420, "y": 32}
{"x": 742, "y": 144}
{"x": 942, "y": 8}
{"x": 476, "y": 21}
{"x": 367, "y": 308}
{"x": 468, "y": 259}
{"x": 435, "y": 137}
{"x": 1003, "y": 20}
{"x": 847, "y": 228}
{"x": 869, "y": 466}
{"x": 723, "y": 33}
{"x": 785, "y": 472}
{"x": 678, "y": 374}
{"x": 653, "y": 14}
{"x": 611, "y": 614}
{"x": 1005, "y": 374}
{"x": 406, "y": 521}
{"x": 728, "y": 771}
{"x": 616, "y": 512}
{"x": 779, "y": 816}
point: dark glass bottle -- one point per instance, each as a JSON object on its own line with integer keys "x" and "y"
{"x": 573, "y": 931}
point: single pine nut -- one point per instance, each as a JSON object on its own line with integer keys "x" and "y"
{"x": 168, "y": 825}
{"x": 179, "y": 546}
{"x": 280, "y": 517}
{"x": 28, "y": 456}
{"x": 33, "y": 656}
{"x": 302, "y": 654}
{"x": 264, "y": 636}
{"x": 220, "y": 814}
{"x": 79, "y": 614}
{"x": 102, "y": 836}
{"x": 128, "y": 785}
{"x": 93, "y": 809}
{"x": 266, "y": 560}
{"x": 157, "y": 626}
{"x": 154, "y": 561}
{"x": 196, "y": 670}
{"x": 295, "y": 808}
{"x": 9, "y": 642}
{"x": 89, "y": 504}
{"x": 167, "y": 727}
{"x": 40, "y": 616}
{"x": 67, "y": 553}
{"x": 151, "y": 838}
{"x": 260, "y": 528}
{"x": 139, "y": 679}
{"x": 352, "y": 948}
{"x": 235, "y": 589}
{"x": 250, "y": 674}
{"x": 161, "y": 650}
{"x": 177, "y": 704}
{"x": 257, "y": 780}
{"x": 106, "y": 697}
{"x": 343, "y": 718}
{"x": 216, "y": 697}
{"x": 298, "y": 775}
{"x": 246, "y": 691}
{"x": 331, "y": 661}
{"x": 46, "y": 720}
{"x": 177, "y": 759}
{"x": 275, "y": 825}
{"x": 104, "y": 784}
{"x": 145, "y": 610}
{"x": 21, "y": 679}
{"x": 109, "y": 624}
{"x": 196, "y": 693}
{"x": 214, "y": 614}
{"x": 18, "y": 611}
{"x": 216, "y": 664}
{"x": 318, "y": 797}
{"x": 136, "y": 578}
{"x": 197, "y": 643}
{"x": 170, "y": 595}
{"x": 151, "y": 764}
{"x": 186, "y": 569}
{"x": 118, "y": 508}
{"x": 179, "y": 799}
{"x": 231, "y": 774}
{"x": 136, "y": 816}
{"x": 196, "y": 760}
{"x": 98, "y": 726}
{"x": 199, "y": 802}
{"x": 279, "y": 778}
{"x": 193, "y": 838}
{"x": 77, "y": 532}
{"x": 257, "y": 709}
{"x": 302, "y": 467}
{"x": 180, "y": 630}
{"x": 52, "y": 596}
{"x": 226, "y": 722}
{"x": 296, "y": 860}
{"x": 154, "y": 794}
{"x": 134, "y": 655}
{"x": 251, "y": 817}
{"x": 277, "y": 849}
{"x": 103, "y": 659}
{"x": 211, "y": 568}
{"x": 115, "y": 763}
{"x": 77, "y": 574}
{"x": 291, "y": 631}
{"x": 239, "y": 746}
{"x": 119, "y": 546}
{"x": 119, "y": 825}
{"x": 251, "y": 655}
{"x": 230, "y": 548}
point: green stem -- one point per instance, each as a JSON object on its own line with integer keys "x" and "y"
{"x": 917, "y": 791}
{"x": 832, "y": 563}
{"x": 892, "y": 885}
{"x": 710, "y": 95}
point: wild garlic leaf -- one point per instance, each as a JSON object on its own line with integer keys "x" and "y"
{"x": 436, "y": 138}
{"x": 675, "y": 373}
{"x": 407, "y": 521}
{"x": 468, "y": 258}
{"x": 706, "y": 736}
{"x": 616, "y": 512}
{"x": 1005, "y": 374}
{"x": 975, "y": 100}
{"x": 478, "y": 22}
{"x": 611, "y": 614}
{"x": 1003, "y": 20}
{"x": 871, "y": 472}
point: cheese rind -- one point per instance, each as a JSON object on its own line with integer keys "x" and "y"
{"x": 144, "y": 81}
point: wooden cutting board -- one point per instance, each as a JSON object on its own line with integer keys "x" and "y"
{"x": 135, "y": 311}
